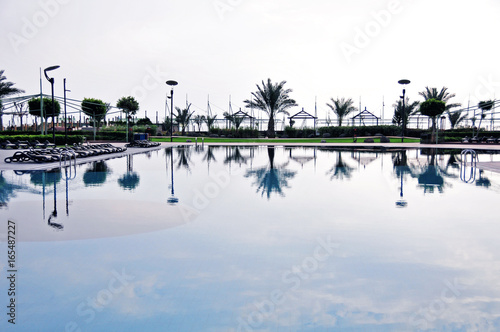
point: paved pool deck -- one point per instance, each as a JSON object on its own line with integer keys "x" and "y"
{"x": 489, "y": 166}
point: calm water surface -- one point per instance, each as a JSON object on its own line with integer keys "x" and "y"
{"x": 254, "y": 239}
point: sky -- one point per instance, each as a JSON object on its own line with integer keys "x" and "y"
{"x": 220, "y": 50}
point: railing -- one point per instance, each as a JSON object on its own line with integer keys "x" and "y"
{"x": 65, "y": 160}
{"x": 464, "y": 164}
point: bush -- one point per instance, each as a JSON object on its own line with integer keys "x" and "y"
{"x": 236, "y": 133}
{"x": 367, "y": 131}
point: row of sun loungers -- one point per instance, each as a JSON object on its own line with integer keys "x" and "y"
{"x": 142, "y": 144}
{"x": 484, "y": 139}
{"x": 25, "y": 145}
{"x": 58, "y": 154}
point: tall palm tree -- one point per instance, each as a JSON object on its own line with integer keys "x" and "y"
{"x": 443, "y": 95}
{"x": 210, "y": 120}
{"x": 455, "y": 118}
{"x": 272, "y": 99}
{"x": 183, "y": 117}
{"x": 6, "y": 89}
{"x": 199, "y": 120}
{"x": 341, "y": 107}
{"x": 409, "y": 109}
{"x": 485, "y": 106}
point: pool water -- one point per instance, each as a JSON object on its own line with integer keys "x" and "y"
{"x": 254, "y": 239}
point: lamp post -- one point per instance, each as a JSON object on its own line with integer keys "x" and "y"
{"x": 51, "y": 80}
{"x": 65, "y": 117}
{"x": 172, "y": 84}
{"x": 403, "y": 82}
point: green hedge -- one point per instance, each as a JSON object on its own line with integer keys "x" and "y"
{"x": 236, "y": 133}
{"x": 369, "y": 131}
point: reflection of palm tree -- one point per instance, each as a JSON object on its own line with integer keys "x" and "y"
{"x": 184, "y": 158}
{"x": 7, "y": 190}
{"x": 130, "y": 180}
{"x": 340, "y": 170}
{"x": 235, "y": 156}
{"x": 431, "y": 177}
{"x": 96, "y": 174}
{"x": 271, "y": 179}
{"x": 45, "y": 178}
{"x": 483, "y": 182}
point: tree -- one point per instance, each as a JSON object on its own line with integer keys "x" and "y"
{"x": 35, "y": 107}
{"x": 484, "y": 106}
{"x": 183, "y": 117}
{"x": 210, "y": 120}
{"x": 409, "y": 109}
{"x": 6, "y": 89}
{"x": 272, "y": 99}
{"x": 443, "y": 95}
{"x": 432, "y": 108}
{"x": 455, "y": 118}
{"x": 128, "y": 104}
{"x": 341, "y": 107}
{"x": 96, "y": 109}
{"x": 236, "y": 120}
{"x": 144, "y": 122}
{"x": 199, "y": 120}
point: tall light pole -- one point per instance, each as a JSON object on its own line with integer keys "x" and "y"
{"x": 65, "y": 118}
{"x": 403, "y": 82}
{"x": 51, "y": 80}
{"x": 172, "y": 84}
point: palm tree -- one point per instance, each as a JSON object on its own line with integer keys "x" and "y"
{"x": 455, "y": 118}
{"x": 183, "y": 117}
{"x": 409, "y": 109}
{"x": 199, "y": 120}
{"x": 432, "y": 108}
{"x": 443, "y": 95}
{"x": 484, "y": 106}
{"x": 272, "y": 99}
{"x": 210, "y": 120}
{"x": 341, "y": 107}
{"x": 130, "y": 106}
{"x": 236, "y": 120}
{"x": 6, "y": 89}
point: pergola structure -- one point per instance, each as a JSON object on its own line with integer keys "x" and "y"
{"x": 244, "y": 115}
{"x": 303, "y": 115}
{"x": 364, "y": 115}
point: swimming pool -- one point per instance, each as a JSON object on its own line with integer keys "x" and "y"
{"x": 254, "y": 239}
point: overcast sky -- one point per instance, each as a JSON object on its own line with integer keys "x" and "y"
{"x": 222, "y": 48}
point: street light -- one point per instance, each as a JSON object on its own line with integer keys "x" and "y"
{"x": 403, "y": 82}
{"x": 51, "y": 80}
{"x": 65, "y": 117}
{"x": 172, "y": 84}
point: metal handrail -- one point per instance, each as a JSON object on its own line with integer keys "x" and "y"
{"x": 470, "y": 178}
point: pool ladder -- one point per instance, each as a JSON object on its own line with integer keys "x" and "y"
{"x": 67, "y": 159}
{"x": 468, "y": 177}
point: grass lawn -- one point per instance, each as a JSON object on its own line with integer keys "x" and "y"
{"x": 278, "y": 140}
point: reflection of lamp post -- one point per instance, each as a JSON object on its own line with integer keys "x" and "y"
{"x": 403, "y": 113}
{"x": 54, "y": 213}
{"x": 401, "y": 203}
{"x": 401, "y": 164}
{"x": 172, "y": 200}
{"x": 172, "y": 84}
{"x": 51, "y": 80}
